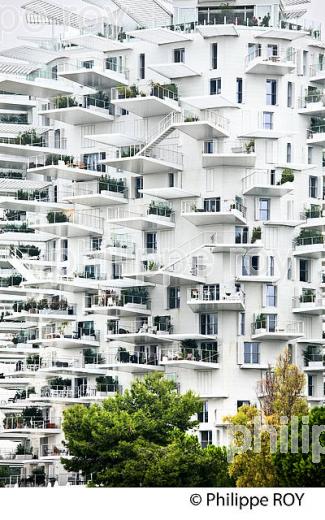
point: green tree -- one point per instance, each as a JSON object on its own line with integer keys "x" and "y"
{"x": 299, "y": 469}
{"x": 139, "y": 439}
{"x": 280, "y": 394}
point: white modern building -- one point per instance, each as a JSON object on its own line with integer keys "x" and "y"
{"x": 161, "y": 209}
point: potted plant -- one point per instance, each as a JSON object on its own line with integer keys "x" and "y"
{"x": 57, "y": 216}
{"x": 256, "y": 235}
{"x": 260, "y": 322}
{"x": 250, "y": 146}
{"x": 287, "y": 176}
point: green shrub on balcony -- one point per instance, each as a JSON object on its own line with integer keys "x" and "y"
{"x": 250, "y": 146}
{"x": 92, "y": 357}
{"x": 287, "y": 176}
{"x": 159, "y": 208}
{"x": 65, "y": 102}
{"x": 309, "y": 237}
{"x": 313, "y": 212}
{"x": 55, "y": 158}
{"x": 60, "y": 383}
{"x": 307, "y": 296}
{"x": 102, "y": 382}
{"x": 256, "y": 235}
{"x": 260, "y": 321}
{"x": 107, "y": 183}
{"x": 135, "y": 292}
{"x": 30, "y": 137}
{"x": 56, "y": 216}
{"x": 28, "y": 250}
{"x": 33, "y": 359}
{"x": 14, "y": 228}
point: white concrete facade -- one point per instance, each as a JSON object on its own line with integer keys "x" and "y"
{"x": 167, "y": 213}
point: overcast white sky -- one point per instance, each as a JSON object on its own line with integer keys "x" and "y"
{"x": 13, "y": 25}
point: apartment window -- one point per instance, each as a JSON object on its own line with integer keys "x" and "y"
{"x": 203, "y": 416}
{"x": 239, "y": 90}
{"x": 171, "y": 180}
{"x": 242, "y": 318}
{"x": 250, "y": 265}
{"x": 209, "y": 324}
{"x": 289, "y": 152}
{"x": 179, "y": 55}
{"x": 241, "y": 235}
{"x": 174, "y": 297}
{"x": 212, "y": 205}
{"x": 215, "y": 86}
{"x": 264, "y": 209}
{"x": 313, "y": 187}
{"x": 116, "y": 270}
{"x": 251, "y": 353}
{"x": 151, "y": 242}
{"x": 272, "y": 320}
{"x": 305, "y": 63}
{"x": 211, "y": 292}
{"x": 270, "y": 295}
{"x": 268, "y": 120}
{"x": 214, "y": 56}
{"x": 142, "y": 66}
{"x": 289, "y": 269}
{"x": 206, "y": 438}
{"x": 95, "y": 243}
{"x": 311, "y": 385}
{"x": 271, "y": 92}
{"x": 290, "y": 95}
{"x": 270, "y": 266}
{"x": 208, "y": 147}
{"x": 303, "y": 270}
{"x": 272, "y": 50}
{"x": 92, "y": 271}
{"x": 310, "y": 155}
{"x": 138, "y": 186}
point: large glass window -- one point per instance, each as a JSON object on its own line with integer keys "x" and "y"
{"x": 264, "y": 209}
{"x": 206, "y": 438}
{"x": 203, "y": 416}
{"x": 239, "y": 90}
{"x": 174, "y": 298}
{"x": 214, "y": 56}
{"x": 270, "y": 295}
{"x": 268, "y": 120}
{"x": 303, "y": 270}
{"x": 179, "y": 55}
{"x": 271, "y": 92}
{"x": 215, "y": 86}
{"x": 313, "y": 187}
{"x": 209, "y": 324}
{"x": 251, "y": 353}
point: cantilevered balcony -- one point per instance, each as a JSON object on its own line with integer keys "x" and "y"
{"x": 211, "y": 298}
{"x": 142, "y": 332}
{"x": 238, "y": 240}
{"x": 31, "y": 143}
{"x": 316, "y": 135}
{"x": 31, "y": 424}
{"x": 137, "y": 360}
{"x": 213, "y": 211}
{"x": 309, "y": 243}
{"x": 314, "y": 358}
{"x": 59, "y": 166}
{"x": 174, "y": 71}
{"x": 199, "y": 124}
{"x": 228, "y": 153}
{"x": 264, "y": 329}
{"x": 277, "y": 63}
{"x": 313, "y": 218}
{"x": 118, "y": 246}
{"x": 38, "y": 84}
{"x": 151, "y": 100}
{"x": 95, "y": 73}
{"x": 159, "y": 159}
{"x": 267, "y": 183}
{"x": 309, "y": 303}
{"x": 68, "y": 224}
{"x": 204, "y": 357}
{"x": 107, "y": 191}
{"x": 120, "y": 304}
{"x": 82, "y": 110}
{"x": 312, "y": 104}
{"x": 155, "y": 217}
{"x": 31, "y": 199}
{"x": 317, "y": 73}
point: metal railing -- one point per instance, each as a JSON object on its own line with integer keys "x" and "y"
{"x": 318, "y": 97}
{"x": 115, "y": 327}
{"x": 202, "y": 294}
{"x": 314, "y": 130}
{"x": 33, "y": 422}
{"x": 88, "y": 102}
{"x": 312, "y": 299}
{"x": 190, "y": 354}
{"x": 316, "y": 68}
{"x": 224, "y": 206}
{"x": 308, "y": 241}
{"x": 279, "y": 57}
{"x": 264, "y": 326}
{"x": 119, "y": 300}
{"x": 139, "y": 358}
{"x": 155, "y": 90}
{"x": 37, "y": 141}
{"x": 96, "y": 187}
{"x": 265, "y": 178}
{"x": 81, "y": 218}
{"x": 125, "y": 213}
{"x": 61, "y": 160}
